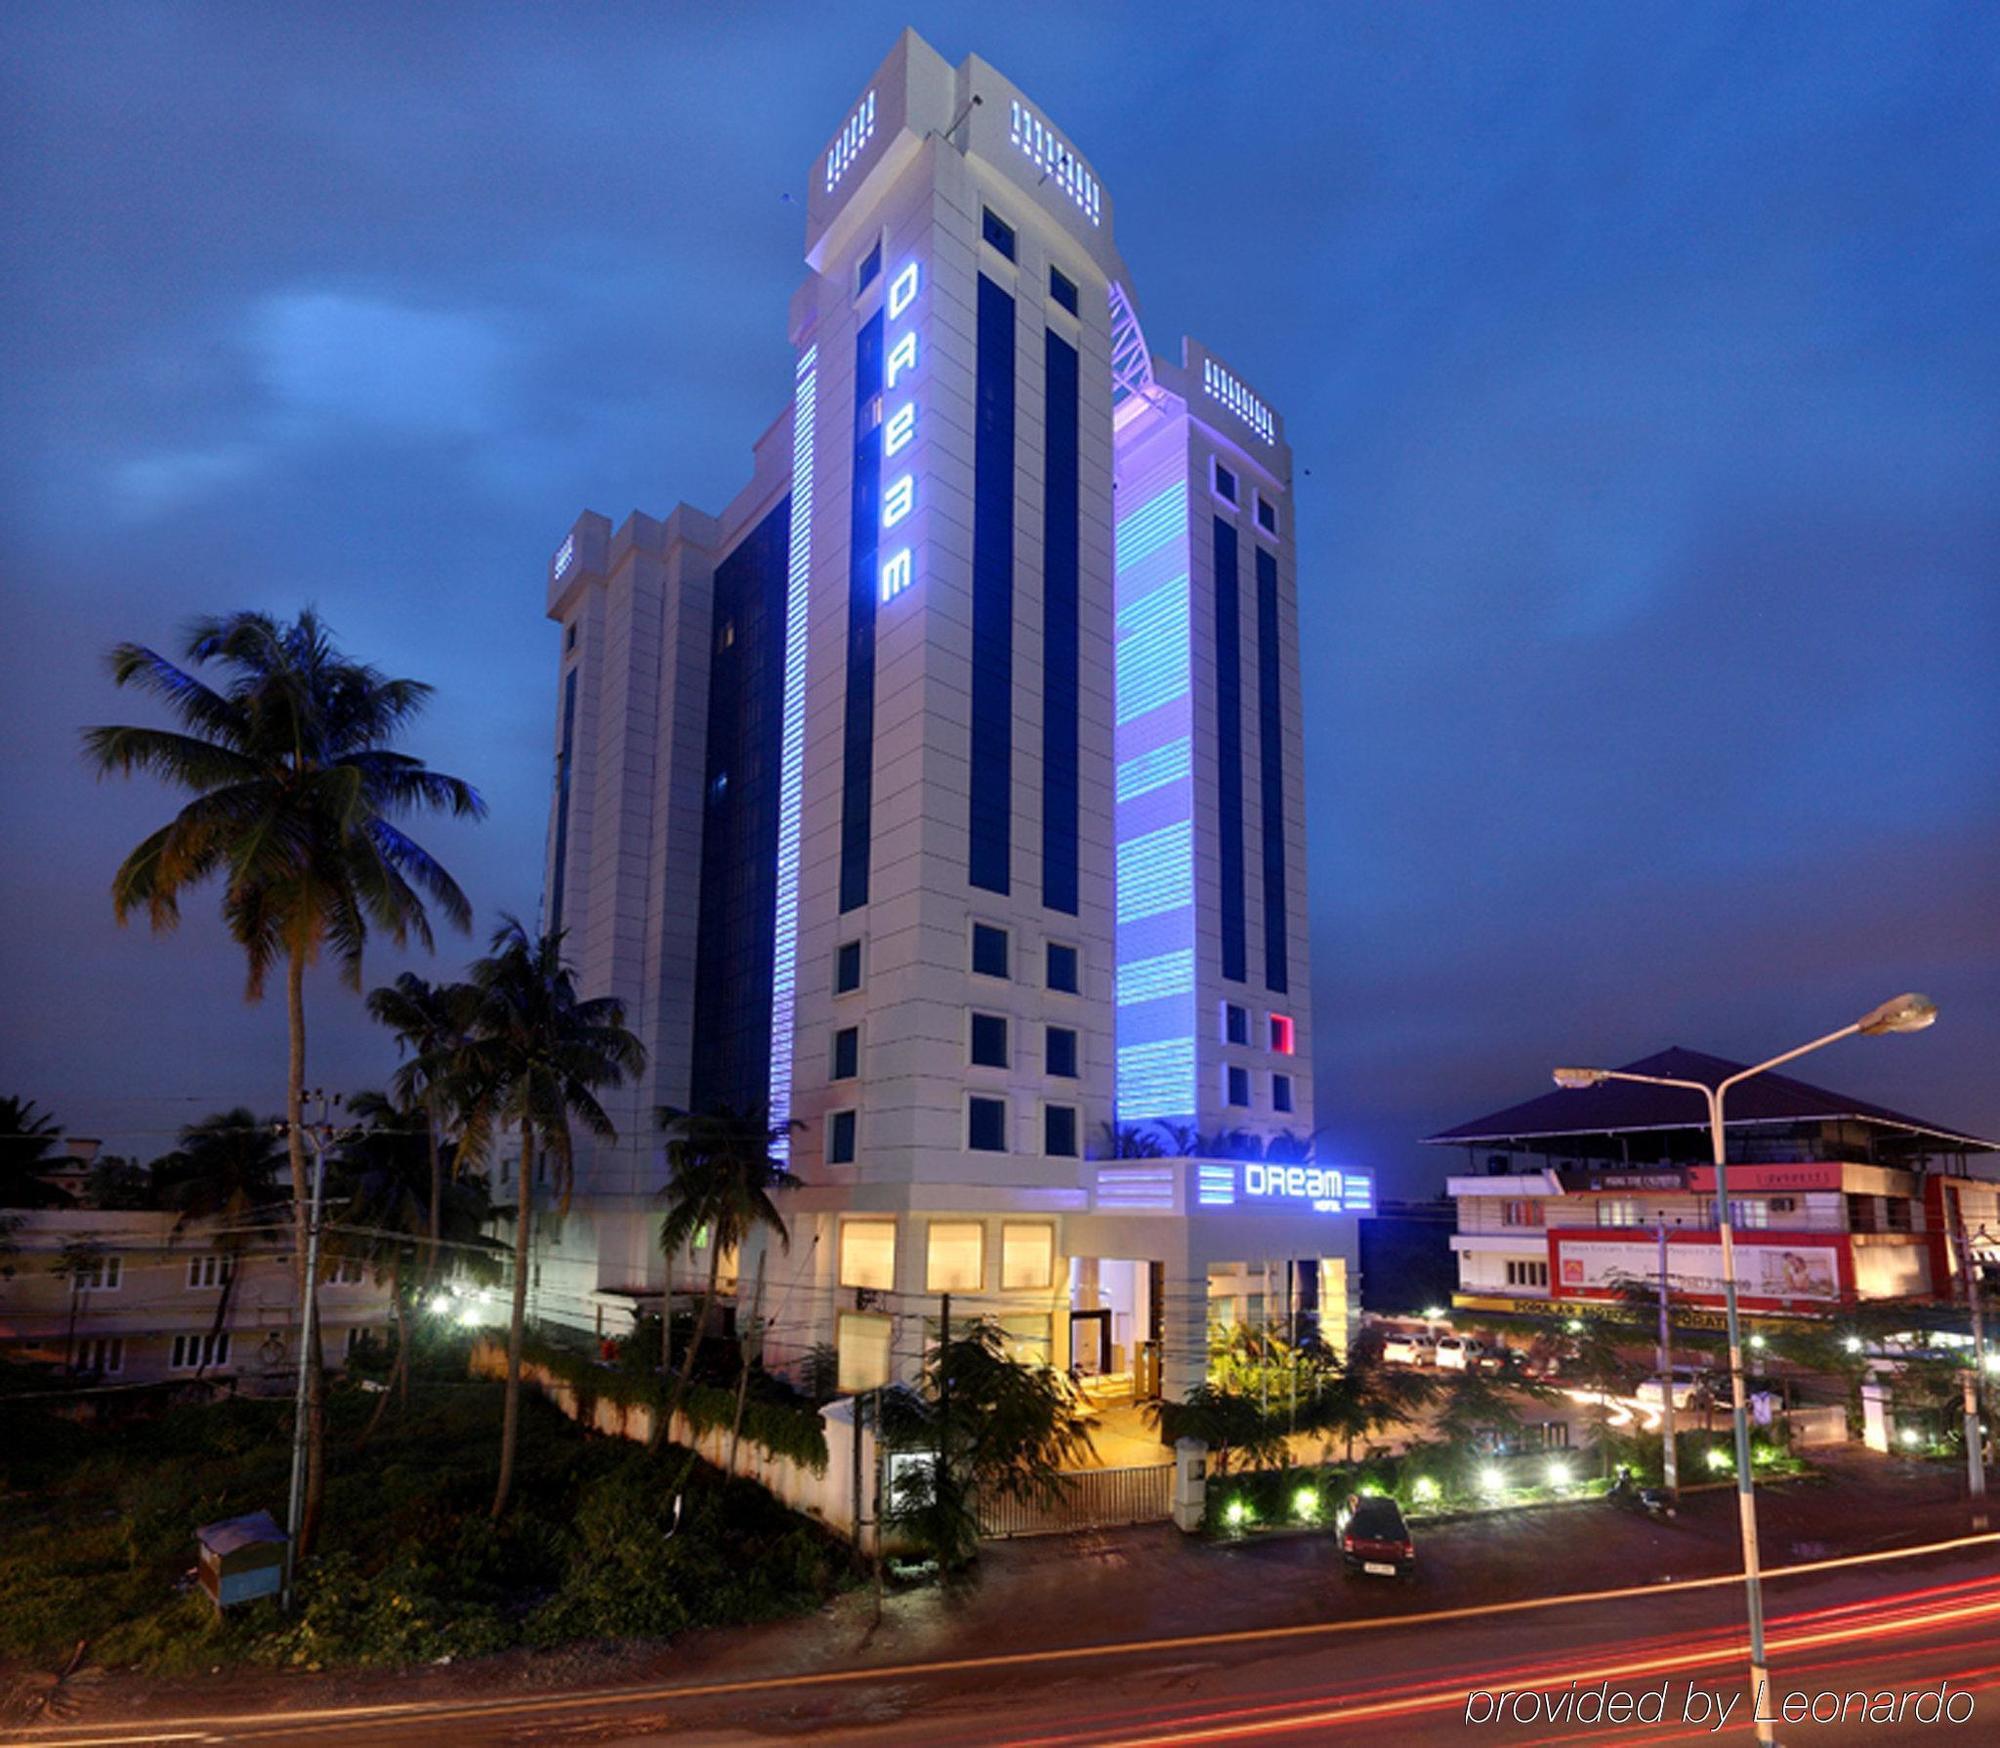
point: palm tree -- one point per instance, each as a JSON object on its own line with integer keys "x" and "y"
{"x": 388, "y": 1175}
{"x": 429, "y": 1021}
{"x": 722, "y": 1173}
{"x": 26, "y": 1135}
{"x": 532, "y": 1059}
{"x": 225, "y": 1171}
{"x": 296, "y": 788}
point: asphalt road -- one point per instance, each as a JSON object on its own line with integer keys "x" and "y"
{"x": 1430, "y": 1671}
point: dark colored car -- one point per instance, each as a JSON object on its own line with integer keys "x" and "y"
{"x": 1376, "y": 1540}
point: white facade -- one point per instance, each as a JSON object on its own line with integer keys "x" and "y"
{"x": 949, "y": 825}
{"x": 140, "y": 1304}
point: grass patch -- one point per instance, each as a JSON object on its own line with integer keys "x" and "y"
{"x": 97, "y": 1538}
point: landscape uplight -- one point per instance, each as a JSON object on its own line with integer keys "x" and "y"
{"x": 1852, "y": 1344}
{"x": 441, "y": 1303}
{"x": 1305, "y": 1504}
{"x": 1718, "y": 1458}
{"x": 1424, "y": 1488}
{"x": 1236, "y": 1513}
{"x": 1491, "y": 1480}
{"x": 1911, "y": 1437}
{"x": 1559, "y": 1473}
{"x": 1757, "y": 1341}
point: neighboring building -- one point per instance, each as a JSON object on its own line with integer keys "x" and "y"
{"x": 1834, "y": 1200}
{"x": 945, "y": 791}
{"x": 131, "y": 1297}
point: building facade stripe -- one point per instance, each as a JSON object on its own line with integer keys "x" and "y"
{"x": 989, "y": 847}
{"x": 864, "y": 538}
{"x": 1229, "y": 755}
{"x": 1062, "y": 535}
{"x": 1271, "y": 766}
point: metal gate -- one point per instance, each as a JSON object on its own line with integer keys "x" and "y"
{"x": 1091, "y": 1499}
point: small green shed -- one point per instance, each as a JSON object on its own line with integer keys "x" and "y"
{"x": 242, "y": 1558}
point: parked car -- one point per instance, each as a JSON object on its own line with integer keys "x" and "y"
{"x": 1375, "y": 1540}
{"x": 1689, "y": 1382}
{"x": 1406, "y": 1349}
{"x": 1465, "y": 1353}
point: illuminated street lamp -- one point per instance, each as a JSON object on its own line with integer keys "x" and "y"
{"x": 1904, "y": 1013}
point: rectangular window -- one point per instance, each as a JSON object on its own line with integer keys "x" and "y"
{"x": 357, "y": 1338}
{"x": 956, "y": 1260}
{"x": 103, "y": 1354}
{"x": 840, "y": 1138}
{"x": 1062, "y": 626}
{"x": 864, "y": 523}
{"x": 1237, "y": 1082}
{"x": 1235, "y": 1023}
{"x": 1267, "y": 514}
{"x": 192, "y": 1351}
{"x": 871, "y": 266}
{"x": 100, "y": 1274}
{"x": 868, "y": 1254}
{"x": 1520, "y": 1213}
{"x": 1281, "y": 1092}
{"x": 990, "y": 803}
{"x": 1230, "y": 875}
{"x": 1616, "y": 1211}
{"x": 986, "y": 1125}
{"x": 997, "y": 231}
{"x": 1225, "y": 484}
{"x": 1060, "y": 1053}
{"x": 1527, "y": 1274}
{"x": 989, "y": 1040}
{"x": 1271, "y": 772}
{"x": 1063, "y": 289}
{"x": 846, "y": 1053}
{"x": 1062, "y": 974}
{"x": 989, "y": 951}
{"x": 1026, "y": 1337}
{"x": 847, "y": 967}
{"x": 208, "y": 1271}
{"x": 1281, "y": 1034}
{"x": 1027, "y": 1256}
{"x": 1059, "y": 1131}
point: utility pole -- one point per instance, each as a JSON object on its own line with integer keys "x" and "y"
{"x": 1670, "y": 1470}
{"x": 317, "y": 1134}
{"x": 1975, "y": 1379}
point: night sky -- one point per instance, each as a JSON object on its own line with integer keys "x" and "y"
{"x": 1641, "y": 365}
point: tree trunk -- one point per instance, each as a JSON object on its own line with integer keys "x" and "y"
{"x": 435, "y": 1258}
{"x": 401, "y": 1370}
{"x": 743, "y": 1367}
{"x": 510, "y": 1419}
{"x": 686, "y": 1377}
{"x": 295, "y": 1146}
{"x": 221, "y": 1314}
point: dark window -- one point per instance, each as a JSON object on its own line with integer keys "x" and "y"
{"x": 997, "y": 231}
{"x": 1225, "y": 483}
{"x": 864, "y": 534}
{"x": 1062, "y": 1052}
{"x": 989, "y": 1040}
{"x": 739, "y": 846}
{"x": 989, "y": 843}
{"x": 569, "y": 638}
{"x": 847, "y": 1053}
{"x": 1063, "y": 289}
{"x": 1235, "y": 1024}
{"x": 847, "y": 967}
{"x": 1267, "y": 514}
{"x": 1059, "y": 1131}
{"x": 840, "y": 1138}
{"x": 1271, "y": 764}
{"x": 871, "y": 265}
{"x": 989, "y": 951}
{"x": 1239, "y": 1086}
{"x": 1281, "y": 1092}
{"x": 986, "y": 1125}
{"x": 1062, "y": 968}
{"x": 1061, "y": 630}
{"x": 566, "y": 759}
{"x": 1230, "y": 877}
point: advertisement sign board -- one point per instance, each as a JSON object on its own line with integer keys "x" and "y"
{"x": 1770, "y": 1271}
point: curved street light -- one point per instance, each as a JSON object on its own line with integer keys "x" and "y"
{"x": 1903, "y": 1013}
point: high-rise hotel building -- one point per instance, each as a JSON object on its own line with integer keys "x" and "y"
{"x": 943, "y": 793}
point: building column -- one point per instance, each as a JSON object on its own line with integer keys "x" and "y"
{"x": 1183, "y": 1332}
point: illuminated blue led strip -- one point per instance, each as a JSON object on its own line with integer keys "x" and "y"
{"x": 847, "y": 145}
{"x": 792, "y": 754}
{"x": 1155, "y": 770}
{"x": 1048, "y": 153}
{"x": 1151, "y": 526}
{"x": 1155, "y": 1080}
{"x": 1154, "y": 658}
{"x": 565, "y": 557}
{"x": 1156, "y": 871}
{"x": 1357, "y": 1192}
{"x": 1151, "y": 979}
{"x": 1135, "y": 1187}
{"x": 1239, "y": 400}
{"x": 1215, "y": 1186}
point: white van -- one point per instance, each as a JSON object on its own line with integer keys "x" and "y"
{"x": 1406, "y": 1349}
{"x": 1463, "y": 1353}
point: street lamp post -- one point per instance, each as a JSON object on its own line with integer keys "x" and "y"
{"x": 1906, "y": 1013}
